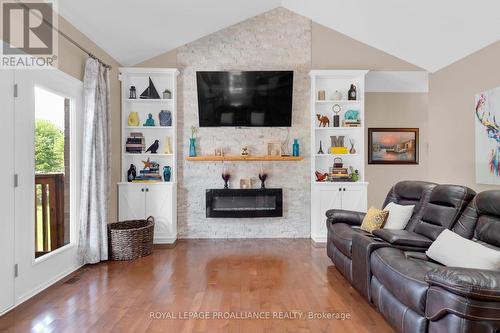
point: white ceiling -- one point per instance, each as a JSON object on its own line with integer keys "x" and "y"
{"x": 428, "y": 33}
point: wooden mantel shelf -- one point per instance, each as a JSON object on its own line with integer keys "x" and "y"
{"x": 248, "y": 158}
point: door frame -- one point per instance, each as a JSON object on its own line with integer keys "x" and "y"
{"x": 36, "y": 274}
{"x": 7, "y": 269}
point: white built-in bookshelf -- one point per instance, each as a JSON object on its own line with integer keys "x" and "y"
{"x": 138, "y": 200}
{"x": 327, "y": 195}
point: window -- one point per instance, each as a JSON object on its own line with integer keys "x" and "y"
{"x": 52, "y": 167}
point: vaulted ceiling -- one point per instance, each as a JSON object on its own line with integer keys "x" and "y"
{"x": 428, "y": 33}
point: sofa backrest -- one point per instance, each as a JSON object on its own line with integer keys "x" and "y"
{"x": 445, "y": 206}
{"x": 409, "y": 192}
{"x": 481, "y": 220}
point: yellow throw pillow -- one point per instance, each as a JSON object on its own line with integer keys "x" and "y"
{"x": 374, "y": 219}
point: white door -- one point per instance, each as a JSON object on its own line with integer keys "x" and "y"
{"x": 7, "y": 191}
{"x": 132, "y": 201}
{"x": 354, "y": 198}
{"x": 46, "y": 214}
{"x": 329, "y": 198}
{"x": 159, "y": 205}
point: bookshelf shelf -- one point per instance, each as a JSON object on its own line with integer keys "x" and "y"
{"x": 243, "y": 158}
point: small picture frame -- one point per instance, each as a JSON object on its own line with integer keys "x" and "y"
{"x": 245, "y": 183}
{"x": 274, "y": 148}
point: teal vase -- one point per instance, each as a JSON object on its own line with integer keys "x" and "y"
{"x": 192, "y": 147}
{"x": 295, "y": 147}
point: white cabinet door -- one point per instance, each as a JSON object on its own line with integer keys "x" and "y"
{"x": 328, "y": 198}
{"x": 354, "y": 198}
{"x": 132, "y": 202}
{"x": 160, "y": 205}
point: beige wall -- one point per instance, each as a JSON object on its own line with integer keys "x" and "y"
{"x": 168, "y": 59}
{"x": 451, "y": 115}
{"x": 396, "y": 110}
{"x": 72, "y": 61}
{"x": 333, "y": 50}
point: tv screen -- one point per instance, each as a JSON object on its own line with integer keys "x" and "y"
{"x": 245, "y": 99}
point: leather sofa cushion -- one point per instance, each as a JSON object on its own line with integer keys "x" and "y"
{"x": 403, "y": 276}
{"x": 341, "y": 235}
{"x": 445, "y": 205}
{"x": 403, "y": 238}
{"x": 472, "y": 283}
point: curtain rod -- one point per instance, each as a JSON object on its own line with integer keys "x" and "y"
{"x": 69, "y": 39}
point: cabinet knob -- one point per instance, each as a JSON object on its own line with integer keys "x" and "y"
{"x": 147, "y": 190}
{"x": 142, "y": 190}
{"x": 343, "y": 189}
{"x": 340, "y": 189}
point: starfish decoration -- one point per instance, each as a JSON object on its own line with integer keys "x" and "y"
{"x": 147, "y": 164}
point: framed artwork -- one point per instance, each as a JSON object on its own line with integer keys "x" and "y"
{"x": 487, "y": 132}
{"x": 393, "y": 146}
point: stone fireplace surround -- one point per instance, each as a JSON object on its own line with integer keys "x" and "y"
{"x": 275, "y": 40}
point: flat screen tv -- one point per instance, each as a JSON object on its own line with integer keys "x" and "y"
{"x": 245, "y": 99}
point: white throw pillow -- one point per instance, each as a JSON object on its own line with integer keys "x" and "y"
{"x": 399, "y": 216}
{"x": 453, "y": 250}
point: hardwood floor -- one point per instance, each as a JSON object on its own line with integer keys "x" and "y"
{"x": 229, "y": 277}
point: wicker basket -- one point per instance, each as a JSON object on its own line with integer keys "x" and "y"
{"x": 130, "y": 240}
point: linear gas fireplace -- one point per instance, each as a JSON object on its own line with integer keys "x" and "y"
{"x": 265, "y": 202}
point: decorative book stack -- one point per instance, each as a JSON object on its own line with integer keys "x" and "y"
{"x": 135, "y": 143}
{"x": 150, "y": 173}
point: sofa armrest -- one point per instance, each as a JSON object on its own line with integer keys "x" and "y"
{"x": 479, "y": 284}
{"x": 403, "y": 238}
{"x": 344, "y": 216}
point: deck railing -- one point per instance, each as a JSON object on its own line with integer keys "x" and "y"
{"x": 49, "y": 212}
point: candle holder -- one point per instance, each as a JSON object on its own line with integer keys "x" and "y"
{"x": 262, "y": 177}
{"x": 226, "y": 176}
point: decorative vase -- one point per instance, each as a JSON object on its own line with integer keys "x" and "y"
{"x": 352, "y": 150}
{"x": 295, "y": 147}
{"x": 192, "y": 147}
{"x": 165, "y": 117}
{"x": 131, "y": 173}
{"x": 133, "y": 119}
{"x": 168, "y": 148}
{"x": 167, "y": 173}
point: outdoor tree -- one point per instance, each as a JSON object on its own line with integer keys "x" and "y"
{"x": 49, "y": 147}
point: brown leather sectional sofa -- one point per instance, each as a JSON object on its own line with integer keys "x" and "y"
{"x": 413, "y": 292}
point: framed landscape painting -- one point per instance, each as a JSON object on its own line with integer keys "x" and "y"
{"x": 393, "y": 146}
{"x": 487, "y": 111}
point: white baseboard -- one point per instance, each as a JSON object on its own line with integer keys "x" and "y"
{"x": 159, "y": 239}
{"x": 318, "y": 239}
{"x": 42, "y": 287}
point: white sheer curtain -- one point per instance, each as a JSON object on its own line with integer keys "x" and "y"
{"x": 93, "y": 241}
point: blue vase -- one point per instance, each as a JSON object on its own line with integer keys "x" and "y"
{"x": 192, "y": 147}
{"x": 167, "y": 173}
{"x": 165, "y": 117}
{"x": 295, "y": 147}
